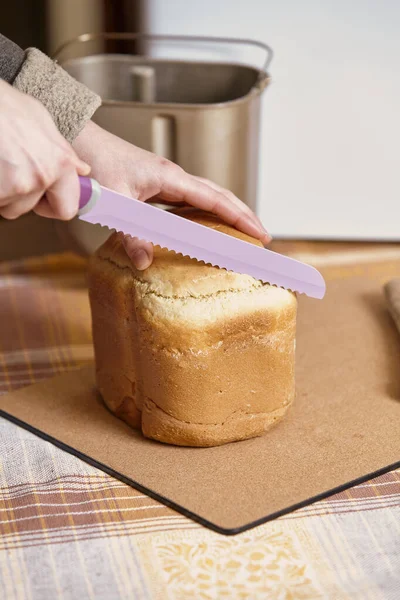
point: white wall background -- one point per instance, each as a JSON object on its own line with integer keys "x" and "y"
{"x": 330, "y": 161}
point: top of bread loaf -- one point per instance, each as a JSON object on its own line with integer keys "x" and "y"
{"x": 176, "y": 276}
{"x": 180, "y": 289}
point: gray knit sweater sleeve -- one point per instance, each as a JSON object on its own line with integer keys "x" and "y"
{"x": 70, "y": 103}
{"x": 11, "y": 59}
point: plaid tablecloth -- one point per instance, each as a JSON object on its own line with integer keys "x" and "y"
{"x": 69, "y": 531}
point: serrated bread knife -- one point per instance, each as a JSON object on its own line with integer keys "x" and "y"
{"x": 99, "y": 205}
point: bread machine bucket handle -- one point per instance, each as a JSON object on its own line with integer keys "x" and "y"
{"x": 92, "y": 37}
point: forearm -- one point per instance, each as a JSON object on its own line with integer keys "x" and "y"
{"x": 70, "y": 103}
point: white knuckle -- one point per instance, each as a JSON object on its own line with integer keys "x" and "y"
{"x": 23, "y": 187}
{"x": 171, "y": 167}
{"x": 43, "y": 179}
{"x": 63, "y": 161}
{"x": 165, "y": 163}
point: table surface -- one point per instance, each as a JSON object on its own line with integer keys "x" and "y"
{"x": 67, "y": 530}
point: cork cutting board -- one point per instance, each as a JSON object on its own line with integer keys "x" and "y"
{"x": 344, "y": 426}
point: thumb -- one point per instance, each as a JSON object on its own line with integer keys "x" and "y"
{"x": 81, "y": 167}
{"x": 139, "y": 251}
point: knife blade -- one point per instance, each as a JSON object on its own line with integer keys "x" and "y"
{"x": 100, "y": 206}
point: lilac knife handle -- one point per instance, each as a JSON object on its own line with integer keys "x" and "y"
{"x": 89, "y": 194}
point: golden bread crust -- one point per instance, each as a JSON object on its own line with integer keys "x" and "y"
{"x": 191, "y": 354}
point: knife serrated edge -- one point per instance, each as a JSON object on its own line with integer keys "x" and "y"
{"x": 152, "y": 238}
{"x": 151, "y": 224}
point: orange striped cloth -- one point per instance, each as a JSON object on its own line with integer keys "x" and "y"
{"x": 69, "y": 531}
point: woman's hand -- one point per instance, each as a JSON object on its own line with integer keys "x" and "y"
{"x": 134, "y": 172}
{"x": 35, "y": 160}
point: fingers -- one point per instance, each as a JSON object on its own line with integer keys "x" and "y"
{"x": 35, "y": 160}
{"x": 139, "y": 251}
{"x": 191, "y": 190}
{"x": 82, "y": 168}
{"x": 232, "y": 198}
{"x": 62, "y": 198}
{"x": 19, "y": 206}
{"x": 240, "y": 205}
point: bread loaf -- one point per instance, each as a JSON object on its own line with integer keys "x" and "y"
{"x": 188, "y": 353}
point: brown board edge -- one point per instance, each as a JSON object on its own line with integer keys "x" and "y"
{"x": 180, "y": 509}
